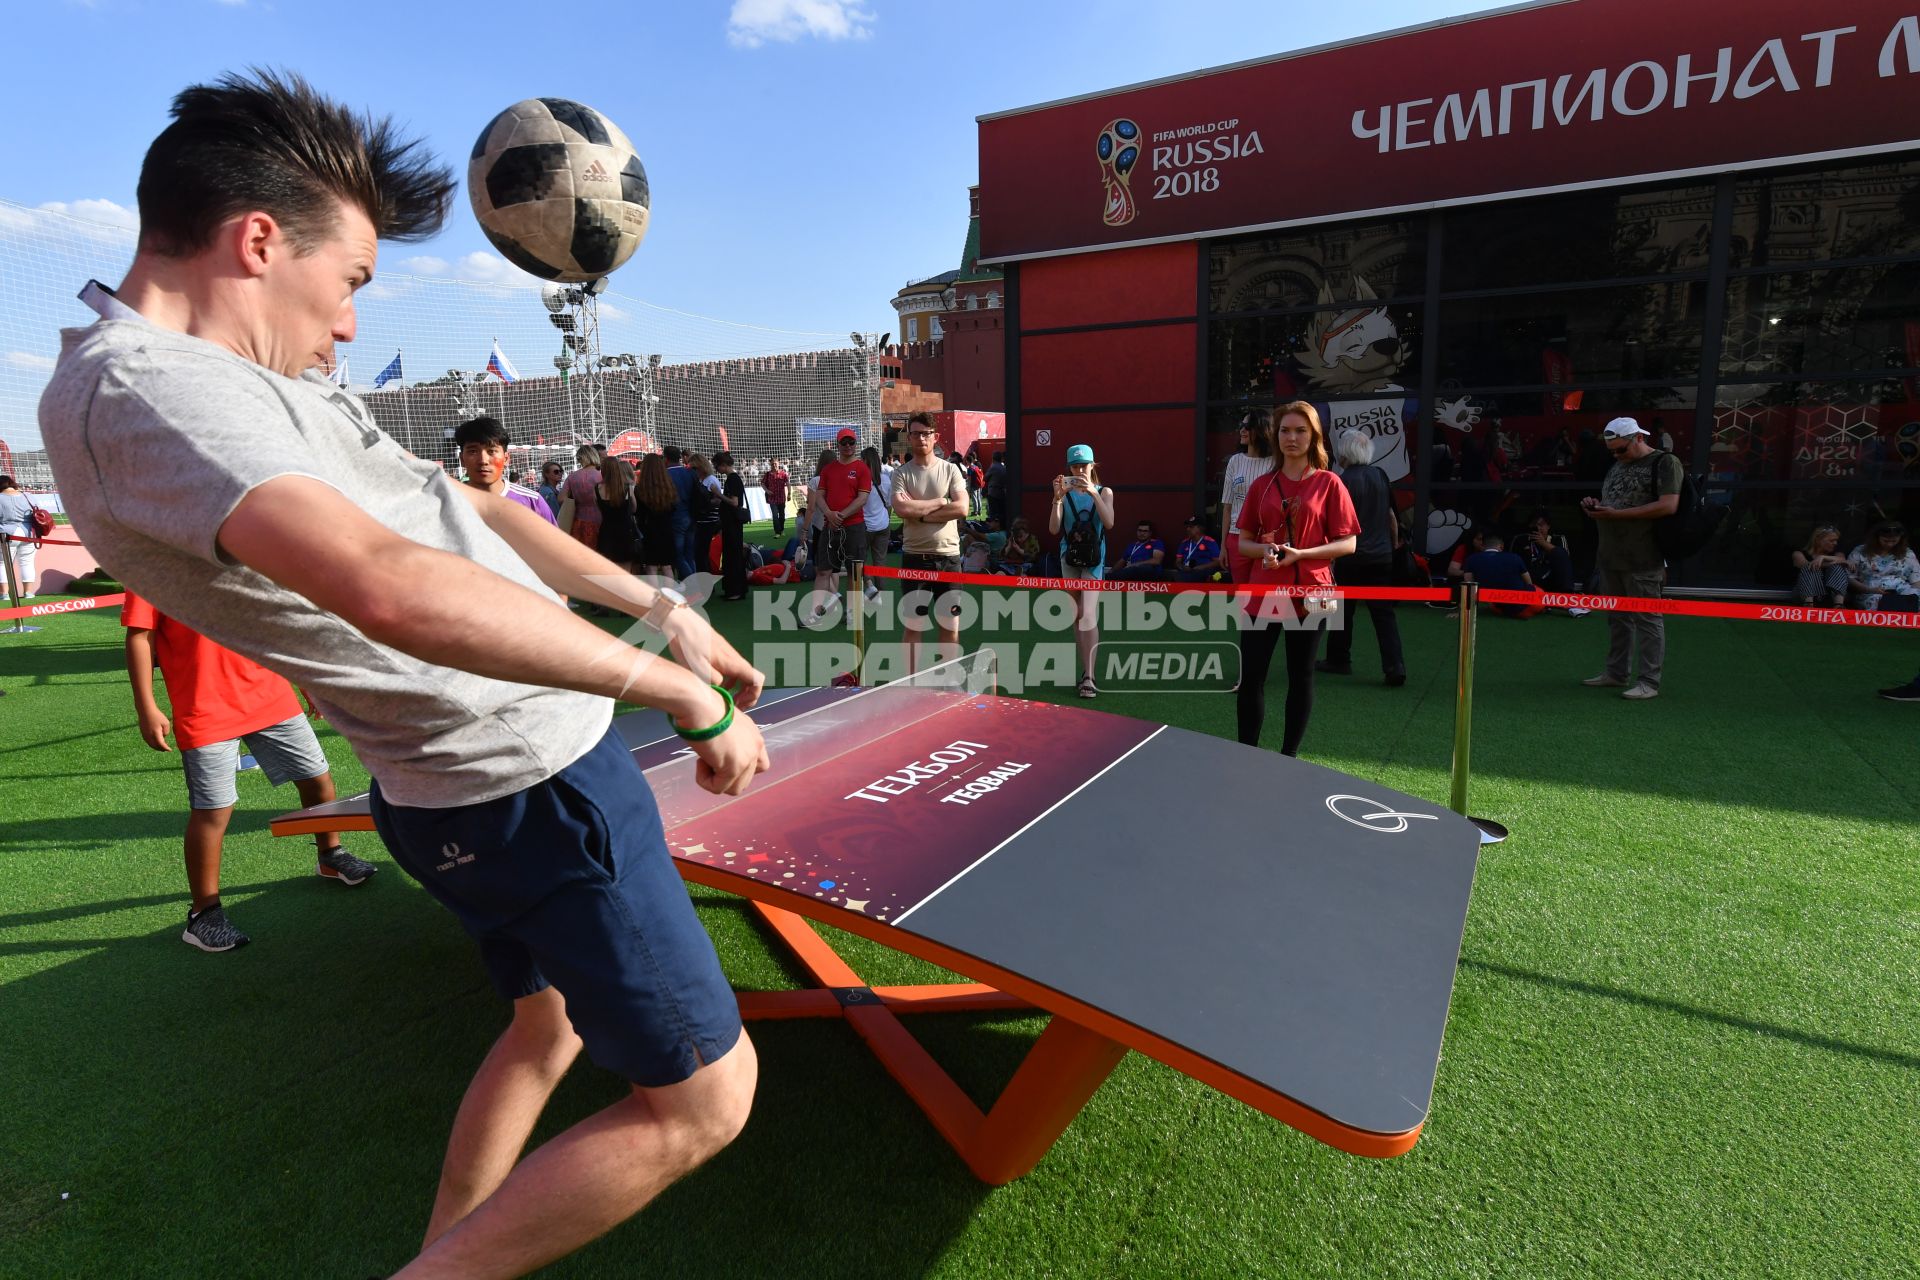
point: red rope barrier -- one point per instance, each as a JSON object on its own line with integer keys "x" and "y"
{"x": 43, "y": 542}
{"x": 79, "y": 605}
{"x": 1551, "y": 599}
{"x": 1152, "y": 587}
{"x": 1709, "y": 609}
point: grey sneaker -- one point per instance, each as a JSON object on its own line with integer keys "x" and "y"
{"x": 338, "y": 864}
{"x": 1642, "y": 691}
{"x": 1604, "y": 681}
{"x": 210, "y": 930}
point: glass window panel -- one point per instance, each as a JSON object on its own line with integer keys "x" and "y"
{"x": 1754, "y": 545}
{"x": 1311, "y": 355}
{"x": 1818, "y": 431}
{"x": 1388, "y": 420}
{"x": 1858, "y": 211}
{"x": 1550, "y": 436}
{"x": 1587, "y": 235}
{"x": 1836, "y": 321}
{"x": 1631, "y": 333}
{"x": 1354, "y": 260}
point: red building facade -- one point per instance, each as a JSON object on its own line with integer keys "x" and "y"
{"x": 1476, "y": 242}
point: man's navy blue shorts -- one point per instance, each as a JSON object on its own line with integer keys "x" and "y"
{"x": 569, "y": 883}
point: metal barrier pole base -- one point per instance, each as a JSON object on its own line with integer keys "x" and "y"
{"x": 18, "y": 630}
{"x": 1491, "y": 832}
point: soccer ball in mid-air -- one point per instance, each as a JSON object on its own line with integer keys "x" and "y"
{"x": 558, "y": 189}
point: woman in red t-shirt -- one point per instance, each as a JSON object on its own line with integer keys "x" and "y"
{"x": 1297, "y": 520}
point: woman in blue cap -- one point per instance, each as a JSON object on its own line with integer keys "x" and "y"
{"x": 1082, "y": 513}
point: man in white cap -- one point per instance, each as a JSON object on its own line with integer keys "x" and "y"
{"x": 1641, "y": 486}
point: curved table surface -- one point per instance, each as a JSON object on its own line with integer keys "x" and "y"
{"x": 1285, "y": 932}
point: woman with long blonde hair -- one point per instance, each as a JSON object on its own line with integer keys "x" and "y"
{"x": 1822, "y": 569}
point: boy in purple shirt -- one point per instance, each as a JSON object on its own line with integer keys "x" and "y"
{"x": 483, "y": 453}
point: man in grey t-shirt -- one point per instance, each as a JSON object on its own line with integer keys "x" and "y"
{"x": 272, "y": 515}
{"x": 929, "y": 496}
{"x": 1640, "y": 487}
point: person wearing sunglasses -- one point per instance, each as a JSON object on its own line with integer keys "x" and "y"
{"x": 1642, "y": 486}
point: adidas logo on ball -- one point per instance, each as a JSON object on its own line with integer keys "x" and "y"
{"x": 597, "y": 172}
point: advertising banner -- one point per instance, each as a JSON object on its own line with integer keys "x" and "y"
{"x": 1546, "y": 97}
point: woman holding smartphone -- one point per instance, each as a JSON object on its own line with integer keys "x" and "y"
{"x": 1082, "y": 513}
{"x": 1297, "y": 520}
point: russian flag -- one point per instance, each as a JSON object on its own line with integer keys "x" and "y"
{"x": 499, "y": 366}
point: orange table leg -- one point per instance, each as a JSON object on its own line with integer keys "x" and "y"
{"x": 1062, "y": 1070}
{"x": 948, "y": 997}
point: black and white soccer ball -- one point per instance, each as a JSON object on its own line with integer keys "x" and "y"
{"x": 558, "y": 189}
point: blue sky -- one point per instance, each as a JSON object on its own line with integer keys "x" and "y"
{"x": 807, "y": 157}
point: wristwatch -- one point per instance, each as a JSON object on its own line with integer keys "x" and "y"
{"x": 665, "y": 601}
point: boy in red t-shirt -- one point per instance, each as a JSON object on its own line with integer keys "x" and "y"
{"x": 219, "y": 697}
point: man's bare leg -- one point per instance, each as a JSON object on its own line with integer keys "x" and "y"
{"x": 502, "y": 1104}
{"x": 596, "y": 1175}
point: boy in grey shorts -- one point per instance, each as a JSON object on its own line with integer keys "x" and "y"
{"x": 220, "y": 699}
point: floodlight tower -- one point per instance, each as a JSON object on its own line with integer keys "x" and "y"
{"x": 865, "y": 372}
{"x": 641, "y": 376}
{"x": 575, "y": 311}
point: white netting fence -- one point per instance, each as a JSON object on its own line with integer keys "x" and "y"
{"x": 662, "y": 376}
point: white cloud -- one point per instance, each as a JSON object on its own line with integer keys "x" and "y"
{"x": 608, "y": 311}
{"x": 423, "y": 265}
{"x": 480, "y": 266}
{"x": 754, "y": 22}
{"x": 490, "y": 268}
{"x": 101, "y": 211}
{"x": 27, "y": 360}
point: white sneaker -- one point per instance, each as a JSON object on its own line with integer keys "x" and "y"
{"x": 1642, "y": 691}
{"x": 1574, "y": 612}
{"x": 1604, "y": 681}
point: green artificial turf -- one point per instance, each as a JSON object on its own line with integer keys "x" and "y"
{"x": 1682, "y": 1041}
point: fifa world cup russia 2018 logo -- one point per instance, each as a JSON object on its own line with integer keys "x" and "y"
{"x": 1119, "y": 150}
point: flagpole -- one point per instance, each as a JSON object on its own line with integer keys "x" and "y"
{"x": 406, "y": 417}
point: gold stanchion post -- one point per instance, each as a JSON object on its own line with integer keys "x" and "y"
{"x": 1491, "y": 832}
{"x": 857, "y": 617}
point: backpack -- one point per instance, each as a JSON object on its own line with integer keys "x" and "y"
{"x": 1086, "y": 545}
{"x": 1692, "y": 524}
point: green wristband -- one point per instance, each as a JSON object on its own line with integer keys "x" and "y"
{"x": 713, "y": 730}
